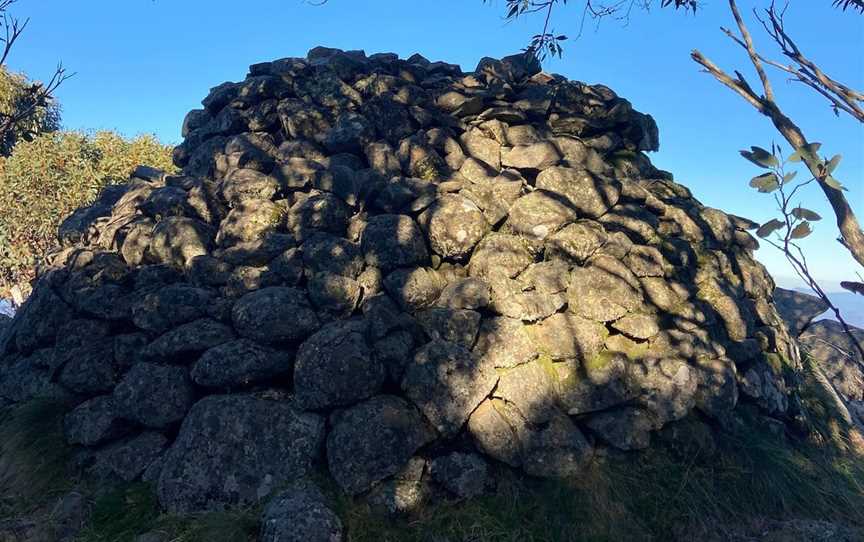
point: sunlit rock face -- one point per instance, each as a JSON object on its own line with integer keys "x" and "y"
{"x": 404, "y": 273}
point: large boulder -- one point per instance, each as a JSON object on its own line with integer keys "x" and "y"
{"x": 447, "y": 381}
{"x": 374, "y": 440}
{"x": 236, "y": 450}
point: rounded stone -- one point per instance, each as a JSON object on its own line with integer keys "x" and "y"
{"x": 154, "y": 395}
{"x": 454, "y": 226}
{"x": 588, "y": 195}
{"x": 538, "y": 214}
{"x": 274, "y": 315}
{"x": 373, "y": 440}
{"x": 240, "y": 363}
{"x": 335, "y": 367}
{"x": 499, "y": 253}
{"x": 391, "y": 241}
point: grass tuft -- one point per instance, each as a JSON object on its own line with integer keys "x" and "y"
{"x": 34, "y": 457}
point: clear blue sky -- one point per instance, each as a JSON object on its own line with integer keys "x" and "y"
{"x": 142, "y": 64}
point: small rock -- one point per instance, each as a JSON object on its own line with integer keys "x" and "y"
{"x": 462, "y": 474}
{"x": 300, "y": 514}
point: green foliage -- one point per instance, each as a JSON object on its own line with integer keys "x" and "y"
{"x": 767, "y": 182}
{"x": 44, "y": 180}
{"x": 795, "y": 223}
{"x": 15, "y": 98}
{"x": 760, "y": 157}
{"x": 33, "y": 456}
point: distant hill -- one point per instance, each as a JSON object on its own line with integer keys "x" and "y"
{"x": 851, "y": 307}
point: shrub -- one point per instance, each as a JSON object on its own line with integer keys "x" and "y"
{"x": 45, "y": 179}
{"x": 15, "y": 98}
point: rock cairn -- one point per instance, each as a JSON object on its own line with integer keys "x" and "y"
{"x": 401, "y": 272}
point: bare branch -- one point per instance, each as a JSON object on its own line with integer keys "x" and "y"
{"x": 840, "y": 95}
{"x": 751, "y": 50}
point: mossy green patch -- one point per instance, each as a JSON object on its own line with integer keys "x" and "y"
{"x": 548, "y": 365}
{"x": 429, "y": 169}
{"x": 600, "y": 361}
{"x": 632, "y": 349}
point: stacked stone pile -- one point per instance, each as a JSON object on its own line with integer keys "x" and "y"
{"x": 401, "y": 272}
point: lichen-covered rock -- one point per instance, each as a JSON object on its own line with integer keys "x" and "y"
{"x": 126, "y": 459}
{"x": 184, "y": 342}
{"x": 499, "y": 252}
{"x": 596, "y": 384}
{"x": 554, "y": 449}
{"x": 531, "y": 389}
{"x": 603, "y": 291}
{"x": 627, "y": 428}
{"x": 566, "y": 336}
{"x": 336, "y": 367}
{"x": 505, "y": 342}
{"x": 454, "y": 226}
{"x": 240, "y": 363}
{"x": 373, "y": 440}
{"x": 447, "y": 381}
{"x": 235, "y": 450}
{"x": 468, "y": 293}
{"x": 797, "y": 309}
{"x": 459, "y": 326}
{"x": 90, "y": 369}
{"x": 176, "y": 240}
{"x": 273, "y": 315}
{"x": 464, "y": 475}
{"x": 324, "y": 253}
{"x": 391, "y": 241}
{"x": 169, "y": 307}
{"x": 94, "y": 421}
{"x": 414, "y": 288}
{"x": 539, "y": 214}
{"x": 589, "y": 196}
{"x": 154, "y": 395}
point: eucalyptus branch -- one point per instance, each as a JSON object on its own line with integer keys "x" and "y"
{"x": 794, "y": 223}
{"x": 851, "y": 235}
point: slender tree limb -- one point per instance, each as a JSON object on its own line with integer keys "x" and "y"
{"x": 850, "y": 231}
{"x": 840, "y": 95}
{"x": 751, "y": 50}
